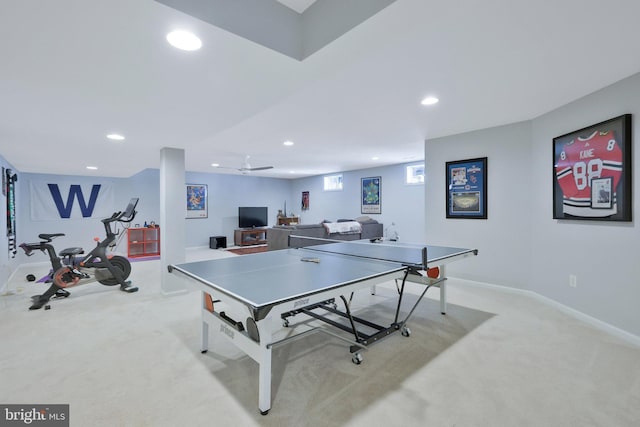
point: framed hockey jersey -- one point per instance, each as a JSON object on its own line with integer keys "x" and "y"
{"x": 592, "y": 172}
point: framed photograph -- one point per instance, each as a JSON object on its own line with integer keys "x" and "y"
{"x": 371, "y": 202}
{"x": 197, "y": 201}
{"x": 305, "y": 201}
{"x": 466, "y": 188}
{"x": 592, "y": 172}
{"x": 601, "y": 193}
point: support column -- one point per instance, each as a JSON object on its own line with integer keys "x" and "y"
{"x": 172, "y": 217}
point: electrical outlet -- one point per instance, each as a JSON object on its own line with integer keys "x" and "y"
{"x": 573, "y": 281}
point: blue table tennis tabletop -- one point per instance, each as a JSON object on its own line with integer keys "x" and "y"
{"x": 266, "y": 279}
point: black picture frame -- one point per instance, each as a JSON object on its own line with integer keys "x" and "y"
{"x": 589, "y": 163}
{"x": 371, "y": 195}
{"x": 466, "y": 188}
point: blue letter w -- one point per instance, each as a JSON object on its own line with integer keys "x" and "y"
{"x": 74, "y": 191}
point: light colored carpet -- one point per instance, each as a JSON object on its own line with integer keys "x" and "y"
{"x": 497, "y": 358}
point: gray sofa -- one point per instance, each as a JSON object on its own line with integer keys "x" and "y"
{"x": 278, "y": 235}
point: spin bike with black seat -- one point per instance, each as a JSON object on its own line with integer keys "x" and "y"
{"x": 71, "y": 266}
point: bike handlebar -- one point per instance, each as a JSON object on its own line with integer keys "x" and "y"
{"x": 28, "y": 248}
{"x": 117, "y": 216}
{"x": 130, "y": 218}
{"x": 28, "y": 251}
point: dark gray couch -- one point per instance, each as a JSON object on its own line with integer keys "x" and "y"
{"x": 278, "y": 235}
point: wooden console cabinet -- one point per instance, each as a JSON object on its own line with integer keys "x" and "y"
{"x": 250, "y": 236}
{"x": 288, "y": 220}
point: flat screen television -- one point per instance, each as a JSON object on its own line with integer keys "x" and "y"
{"x": 251, "y": 217}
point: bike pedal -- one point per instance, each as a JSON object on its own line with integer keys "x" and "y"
{"x": 129, "y": 289}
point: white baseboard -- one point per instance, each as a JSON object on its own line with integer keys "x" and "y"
{"x": 597, "y": 323}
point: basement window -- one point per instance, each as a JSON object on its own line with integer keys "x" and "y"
{"x": 333, "y": 182}
{"x": 415, "y": 174}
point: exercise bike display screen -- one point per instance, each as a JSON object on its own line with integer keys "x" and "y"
{"x": 130, "y": 208}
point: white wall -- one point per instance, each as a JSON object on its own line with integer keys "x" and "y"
{"x": 603, "y": 256}
{"x": 402, "y": 204}
{"x": 504, "y": 238}
{"x": 146, "y": 186}
{"x": 226, "y": 194}
{"x": 520, "y": 244}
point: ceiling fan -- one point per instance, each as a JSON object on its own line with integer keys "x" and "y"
{"x": 246, "y": 167}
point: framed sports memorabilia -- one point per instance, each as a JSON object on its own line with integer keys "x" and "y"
{"x": 466, "y": 188}
{"x": 592, "y": 172}
{"x": 197, "y": 201}
{"x": 370, "y": 197}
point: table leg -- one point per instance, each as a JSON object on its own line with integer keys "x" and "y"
{"x": 443, "y": 291}
{"x": 204, "y": 339}
{"x": 264, "y": 362}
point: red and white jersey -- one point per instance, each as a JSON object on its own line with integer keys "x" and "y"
{"x": 580, "y": 161}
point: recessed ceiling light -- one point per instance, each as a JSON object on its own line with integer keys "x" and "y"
{"x": 375, "y": 158}
{"x": 115, "y": 137}
{"x": 184, "y": 40}
{"x": 288, "y": 143}
{"x": 215, "y": 165}
{"x": 93, "y": 168}
{"x": 430, "y": 100}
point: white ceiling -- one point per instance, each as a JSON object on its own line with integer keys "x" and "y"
{"x": 298, "y": 5}
{"x": 72, "y": 71}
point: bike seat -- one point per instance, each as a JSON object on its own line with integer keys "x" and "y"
{"x": 49, "y": 236}
{"x": 71, "y": 251}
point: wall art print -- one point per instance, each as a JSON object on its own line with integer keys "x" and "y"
{"x": 197, "y": 201}
{"x": 370, "y": 195}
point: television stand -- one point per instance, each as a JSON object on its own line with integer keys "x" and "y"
{"x": 250, "y": 236}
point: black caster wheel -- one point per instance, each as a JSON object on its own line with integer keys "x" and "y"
{"x": 357, "y": 358}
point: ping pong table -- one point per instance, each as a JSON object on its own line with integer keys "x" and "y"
{"x": 259, "y": 289}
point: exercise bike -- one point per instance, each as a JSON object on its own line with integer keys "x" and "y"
{"x": 71, "y": 266}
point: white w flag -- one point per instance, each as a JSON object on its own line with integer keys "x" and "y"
{"x": 65, "y": 199}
